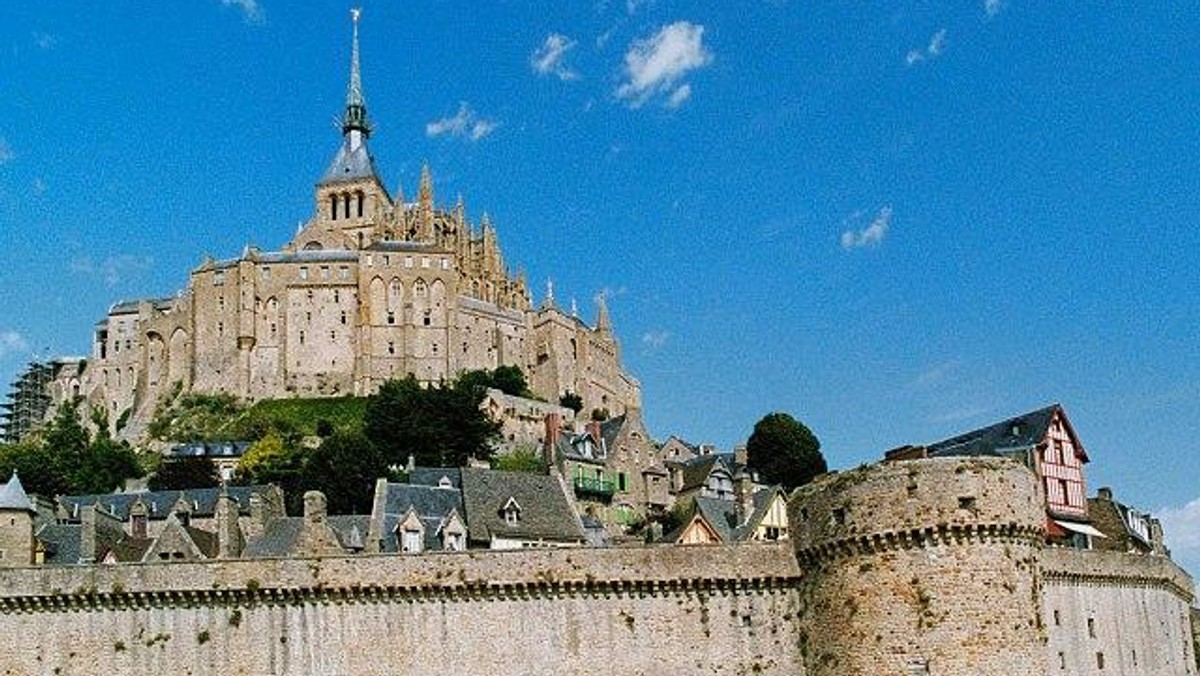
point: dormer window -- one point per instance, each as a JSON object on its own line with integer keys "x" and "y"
{"x": 410, "y": 541}
{"x": 445, "y": 482}
{"x": 511, "y": 512}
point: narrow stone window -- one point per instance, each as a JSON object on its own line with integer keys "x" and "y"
{"x": 1062, "y": 660}
{"x": 360, "y": 204}
{"x": 343, "y": 317}
{"x": 333, "y": 207}
{"x": 301, "y": 337}
{"x": 337, "y": 298}
{"x": 1091, "y": 627}
{"x": 391, "y": 347}
{"x": 391, "y": 318}
{"x": 1099, "y": 660}
{"x": 1057, "y": 619}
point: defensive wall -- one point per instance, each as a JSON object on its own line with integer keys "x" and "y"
{"x": 921, "y": 567}
{"x": 1114, "y": 613}
{"x": 650, "y": 610}
{"x": 918, "y": 568}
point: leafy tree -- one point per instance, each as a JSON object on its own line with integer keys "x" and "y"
{"x": 440, "y": 425}
{"x": 190, "y": 471}
{"x": 572, "y": 401}
{"x": 521, "y": 460}
{"x": 600, "y": 414}
{"x": 344, "y": 467}
{"x": 65, "y": 459}
{"x": 511, "y": 380}
{"x": 784, "y": 451}
{"x": 272, "y": 460}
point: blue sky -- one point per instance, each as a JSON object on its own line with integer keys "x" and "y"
{"x": 896, "y": 220}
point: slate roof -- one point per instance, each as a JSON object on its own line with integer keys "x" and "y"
{"x": 130, "y": 306}
{"x": 280, "y": 537}
{"x": 159, "y": 503}
{"x": 62, "y": 543}
{"x": 351, "y": 164}
{"x": 431, "y": 504}
{"x": 545, "y": 512}
{"x": 696, "y": 470}
{"x": 212, "y": 449}
{"x": 13, "y": 496}
{"x": 725, "y": 516}
{"x": 430, "y": 476}
{"x": 1008, "y": 437}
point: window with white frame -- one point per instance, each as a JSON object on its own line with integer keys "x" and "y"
{"x": 410, "y": 541}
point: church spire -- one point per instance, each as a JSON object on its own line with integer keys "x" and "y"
{"x": 354, "y": 122}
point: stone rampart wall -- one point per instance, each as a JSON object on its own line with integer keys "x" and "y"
{"x": 1116, "y": 613}
{"x": 924, "y": 566}
{"x": 668, "y": 610}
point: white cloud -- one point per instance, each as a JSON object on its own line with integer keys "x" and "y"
{"x": 252, "y": 12}
{"x": 464, "y": 123}
{"x": 11, "y": 342}
{"x": 38, "y": 186}
{"x": 656, "y": 65}
{"x": 681, "y": 94}
{"x": 44, "y": 41}
{"x": 655, "y": 340}
{"x": 6, "y": 152}
{"x": 992, "y": 7}
{"x": 632, "y": 6}
{"x": 937, "y": 43}
{"x": 549, "y": 58}
{"x": 112, "y": 269}
{"x": 1181, "y": 530}
{"x": 872, "y": 234}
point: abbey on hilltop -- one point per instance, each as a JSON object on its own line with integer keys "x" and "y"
{"x": 371, "y": 288}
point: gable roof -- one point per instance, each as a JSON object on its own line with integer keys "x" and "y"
{"x": 432, "y": 505}
{"x": 545, "y": 512}
{"x": 1008, "y": 437}
{"x": 281, "y": 537}
{"x": 159, "y": 504}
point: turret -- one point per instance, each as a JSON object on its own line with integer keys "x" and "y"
{"x": 16, "y": 525}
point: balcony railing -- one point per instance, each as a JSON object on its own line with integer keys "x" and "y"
{"x": 591, "y": 486}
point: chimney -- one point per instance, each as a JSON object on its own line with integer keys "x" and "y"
{"x": 378, "y": 507}
{"x": 553, "y": 431}
{"x": 1104, "y": 493}
{"x": 412, "y": 463}
{"x": 739, "y": 455}
{"x": 315, "y": 509}
{"x": 1156, "y": 538}
{"x": 229, "y": 531}
{"x": 138, "y": 518}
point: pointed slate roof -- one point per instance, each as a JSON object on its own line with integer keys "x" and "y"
{"x": 1006, "y": 437}
{"x": 13, "y": 496}
{"x": 545, "y": 512}
{"x": 351, "y": 164}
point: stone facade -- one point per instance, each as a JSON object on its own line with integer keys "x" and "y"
{"x": 372, "y": 287}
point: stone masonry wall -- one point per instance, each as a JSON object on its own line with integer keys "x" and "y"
{"x": 669, "y": 610}
{"x": 1116, "y": 613}
{"x": 921, "y": 567}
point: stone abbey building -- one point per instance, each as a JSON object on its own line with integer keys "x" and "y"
{"x": 371, "y": 288}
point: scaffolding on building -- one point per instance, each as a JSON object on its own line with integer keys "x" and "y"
{"x": 27, "y": 403}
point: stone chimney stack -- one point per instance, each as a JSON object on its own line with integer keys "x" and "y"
{"x": 315, "y": 509}
{"x": 229, "y": 531}
{"x": 552, "y": 434}
{"x": 1156, "y": 538}
{"x": 1105, "y": 493}
{"x": 740, "y": 456}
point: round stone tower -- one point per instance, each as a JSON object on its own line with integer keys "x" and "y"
{"x": 921, "y": 567}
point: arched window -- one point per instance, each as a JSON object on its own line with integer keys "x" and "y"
{"x": 333, "y": 200}
{"x": 360, "y": 204}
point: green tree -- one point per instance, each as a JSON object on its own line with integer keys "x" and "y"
{"x": 572, "y": 401}
{"x": 191, "y": 471}
{"x": 784, "y": 451}
{"x": 65, "y": 459}
{"x": 521, "y": 460}
{"x": 440, "y": 425}
{"x": 511, "y": 380}
{"x": 344, "y": 467}
{"x": 273, "y": 460}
